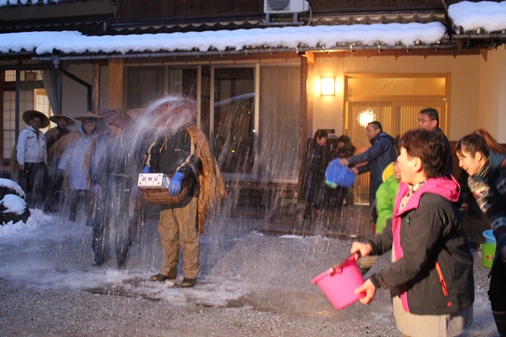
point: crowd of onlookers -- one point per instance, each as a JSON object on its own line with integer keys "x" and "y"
{"x": 414, "y": 198}
{"x": 415, "y": 209}
{"x": 98, "y": 173}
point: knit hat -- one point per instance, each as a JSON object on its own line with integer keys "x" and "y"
{"x": 29, "y": 114}
{"x": 55, "y": 119}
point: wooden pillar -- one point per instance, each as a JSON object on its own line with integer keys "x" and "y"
{"x": 303, "y": 124}
{"x": 115, "y": 83}
{"x": 96, "y": 88}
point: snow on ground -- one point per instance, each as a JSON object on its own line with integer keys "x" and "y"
{"x": 250, "y": 284}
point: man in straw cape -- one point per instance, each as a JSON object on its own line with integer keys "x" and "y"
{"x": 181, "y": 151}
{"x": 74, "y": 147}
{"x": 55, "y": 180}
{"x": 114, "y": 166}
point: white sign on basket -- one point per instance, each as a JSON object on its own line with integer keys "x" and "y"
{"x": 153, "y": 180}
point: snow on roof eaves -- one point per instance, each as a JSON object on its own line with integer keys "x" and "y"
{"x": 319, "y": 37}
{"x": 25, "y": 2}
{"x": 487, "y": 15}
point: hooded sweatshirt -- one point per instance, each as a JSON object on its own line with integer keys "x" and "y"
{"x": 432, "y": 271}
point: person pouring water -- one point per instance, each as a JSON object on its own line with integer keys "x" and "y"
{"x": 431, "y": 276}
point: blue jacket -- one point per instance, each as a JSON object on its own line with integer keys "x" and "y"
{"x": 378, "y": 156}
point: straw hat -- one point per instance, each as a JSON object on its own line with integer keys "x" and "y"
{"x": 88, "y": 115}
{"x": 171, "y": 112}
{"x": 119, "y": 119}
{"x": 135, "y": 113}
{"x": 29, "y": 114}
{"x": 55, "y": 119}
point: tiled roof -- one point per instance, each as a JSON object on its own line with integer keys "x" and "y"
{"x": 104, "y": 26}
{"x": 32, "y": 2}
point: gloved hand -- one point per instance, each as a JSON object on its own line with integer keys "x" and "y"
{"x": 175, "y": 184}
{"x": 146, "y": 169}
{"x": 135, "y": 191}
{"x": 97, "y": 190}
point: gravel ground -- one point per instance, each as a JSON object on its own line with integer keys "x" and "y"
{"x": 250, "y": 285}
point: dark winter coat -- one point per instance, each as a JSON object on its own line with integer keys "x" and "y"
{"x": 114, "y": 155}
{"x": 489, "y": 190}
{"x": 448, "y": 153}
{"x": 314, "y": 176}
{"x": 378, "y": 156}
{"x": 173, "y": 153}
{"x": 433, "y": 268}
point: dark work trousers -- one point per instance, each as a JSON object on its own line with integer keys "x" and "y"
{"x": 33, "y": 182}
{"x": 55, "y": 189}
{"x": 497, "y": 295}
{"x": 80, "y": 196}
{"x": 112, "y": 222}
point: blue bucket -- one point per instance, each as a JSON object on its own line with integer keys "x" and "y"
{"x": 338, "y": 175}
{"x": 489, "y": 236}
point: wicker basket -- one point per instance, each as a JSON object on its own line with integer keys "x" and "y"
{"x": 160, "y": 196}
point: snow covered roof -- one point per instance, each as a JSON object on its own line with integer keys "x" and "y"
{"x": 491, "y": 16}
{"x": 321, "y": 37}
{"x": 487, "y": 15}
{"x": 27, "y": 2}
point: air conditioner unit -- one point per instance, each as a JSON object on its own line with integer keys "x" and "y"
{"x": 286, "y": 6}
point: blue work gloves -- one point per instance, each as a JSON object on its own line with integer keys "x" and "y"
{"x": 338, "y": 175}
{"x": 175, "y": 184}
{"x": 146, "y": 169}
{"x": 97, "y": 190}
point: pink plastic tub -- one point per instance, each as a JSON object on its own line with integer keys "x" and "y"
{"x": 339, "y": 283}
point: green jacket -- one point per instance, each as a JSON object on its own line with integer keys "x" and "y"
{"x": 385, "y": 200}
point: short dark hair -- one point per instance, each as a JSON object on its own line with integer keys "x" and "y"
{"x": 320, "y": 133}
{"x": 344, "y": 139}
{"x": 376, "y": 125}
{"x": 431, "y": 113}
{"x": 429, "y": 147}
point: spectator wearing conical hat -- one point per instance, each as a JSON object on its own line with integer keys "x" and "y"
{"x": 55, "y": 183}
{"x": 115, "y": 161}
{"x": 32, "y": 156}
{"x": 76, "y": 145}
{"x": 60, "y": 130}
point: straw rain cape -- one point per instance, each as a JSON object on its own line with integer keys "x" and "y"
{"x": 212, "y": 188}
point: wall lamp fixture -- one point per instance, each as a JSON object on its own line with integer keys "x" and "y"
{"x": 328, "y": 86}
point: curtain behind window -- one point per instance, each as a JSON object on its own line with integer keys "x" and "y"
{"x": 52, "y": 80}
{"x": 279, "y": 123}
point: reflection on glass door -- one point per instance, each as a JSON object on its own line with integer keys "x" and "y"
{"x": 234, "y": 111}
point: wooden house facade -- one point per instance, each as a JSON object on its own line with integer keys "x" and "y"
{"x": 260, "y": 103}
